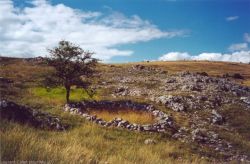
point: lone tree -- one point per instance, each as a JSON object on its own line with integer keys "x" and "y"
{"x": 71, "y": 63}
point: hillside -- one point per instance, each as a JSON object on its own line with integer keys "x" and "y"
{"x": 206, "y": 105}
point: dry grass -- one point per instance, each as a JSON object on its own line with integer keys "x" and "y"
{"x": 212, "y": 68}
{"x": 22, "y": 71}
{"x": 131, "y": 116}
{"x": 246, "y": 82}
{"x": 89, "y": 143}
{"x": 181, "y": 119}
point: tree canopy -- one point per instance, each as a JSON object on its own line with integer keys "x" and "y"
{"x": 71, "y": 63}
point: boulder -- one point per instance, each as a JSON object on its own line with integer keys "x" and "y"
{"x": 217, "y": 118}
{"x": 147, "y": 127}
{"x": 245, "y": 100}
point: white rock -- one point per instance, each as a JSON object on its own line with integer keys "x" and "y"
{"x": 149, "y": 141}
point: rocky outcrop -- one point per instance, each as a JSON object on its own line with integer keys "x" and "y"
{"x": 174, "y": 102}
{"x": 192, "y": 102}
{"x": 25, "y": 115}
{"x": 211, "y": 139}
{"x": 184, "y": 91}
{"x": 198, "y": 97}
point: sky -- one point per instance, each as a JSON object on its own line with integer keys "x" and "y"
{"x": 129, "y": 30}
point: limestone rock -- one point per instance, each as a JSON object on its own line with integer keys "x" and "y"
{"x": 217, "y": 118}
{"x": 150, "y": 141}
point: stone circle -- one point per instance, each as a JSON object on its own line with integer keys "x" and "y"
{"x": 163, "y": 122}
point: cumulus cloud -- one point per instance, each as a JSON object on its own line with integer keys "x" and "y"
{"x": 247, "y": 37}
{"x": 240, "y": 56}
{"x": 238, "y": 47}
{"x": 232, "y": 18}
{"x": 172, "y": 56}
{"x": 28, "y": 31}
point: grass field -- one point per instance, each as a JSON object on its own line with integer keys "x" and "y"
{"x": 88, "y": 143}
{"x": 85, "y": 142}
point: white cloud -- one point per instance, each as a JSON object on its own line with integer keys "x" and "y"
{"x": 238, "y": 47}
{"x": 232, "y": 18}
{"x": 240, "y": 56}
{"x": 208, "y": 56}
{"x": 247, "y": 37}
{"x": 172, "y": 56}
{"x": 28, "y": 31}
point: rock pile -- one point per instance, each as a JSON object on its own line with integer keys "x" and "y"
{"x": 22, "y": 114}
{"x": 211, "y": 139}
{"x": 164, "y": 122}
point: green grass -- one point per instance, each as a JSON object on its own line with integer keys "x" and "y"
{"x": 58, "y": 94}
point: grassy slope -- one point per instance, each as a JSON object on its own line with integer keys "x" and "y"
{"x": 86, "y": 142}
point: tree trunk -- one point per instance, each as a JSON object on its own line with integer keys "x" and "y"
{"x": 67, "y": 93}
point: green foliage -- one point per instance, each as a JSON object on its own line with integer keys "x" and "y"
{"x": 70, "y": 62}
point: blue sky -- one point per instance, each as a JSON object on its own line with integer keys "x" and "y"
{"x": 201, "y": 26}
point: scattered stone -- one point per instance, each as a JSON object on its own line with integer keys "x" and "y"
{"x": 138, "y": 67}
{"x": 150, "y": 141}
{"x": 199, "y": 135}
{"x": 162, "y": 99}
{"x": 174, "y": 102}
{"x": 120, "y": 89}
{"x": 184, "y": 73}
